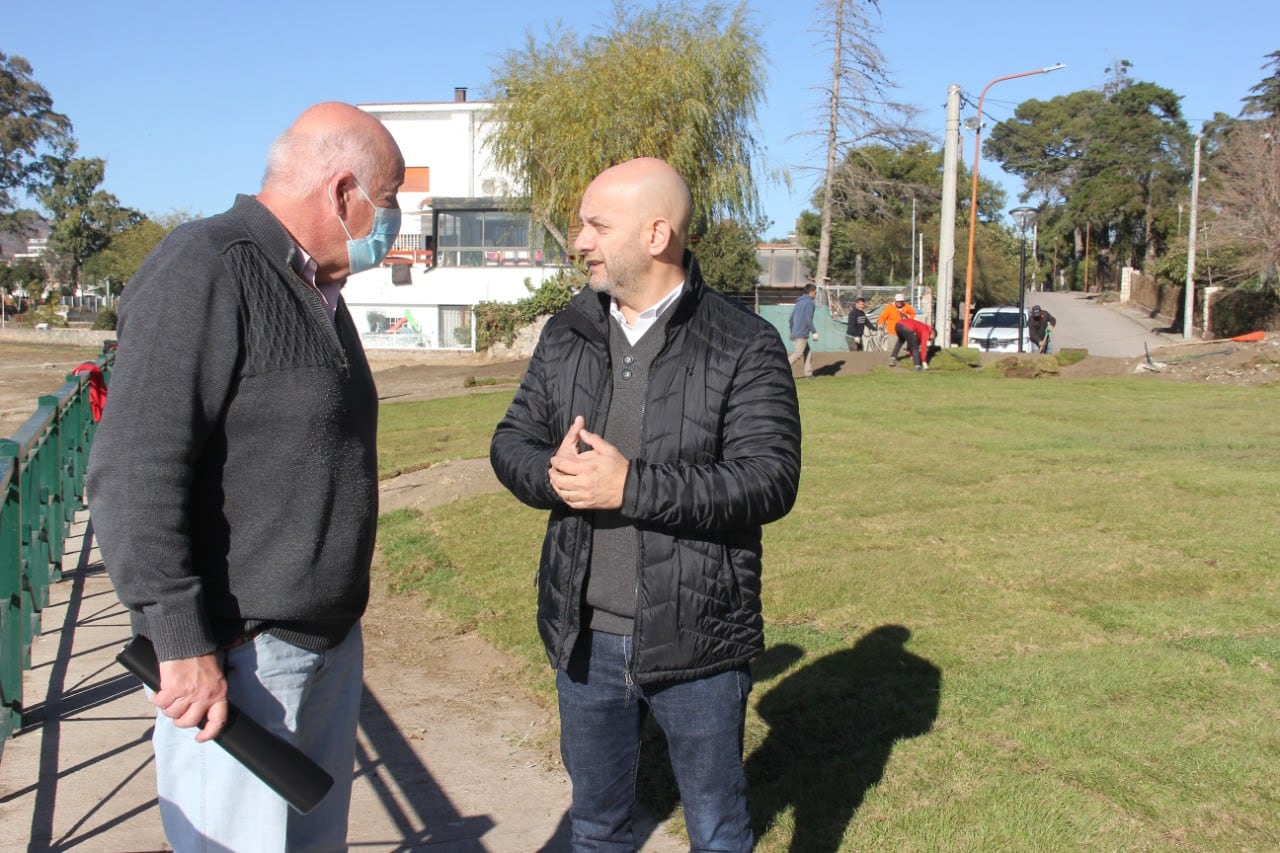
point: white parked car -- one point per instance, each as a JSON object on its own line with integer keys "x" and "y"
{"x": 996, "y": 330}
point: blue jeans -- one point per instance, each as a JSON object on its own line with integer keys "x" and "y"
{"x": 209, "y": 802}
{"x": 601, "y": 715}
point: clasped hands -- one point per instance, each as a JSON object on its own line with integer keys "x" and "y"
{"x": 588, "y": 479}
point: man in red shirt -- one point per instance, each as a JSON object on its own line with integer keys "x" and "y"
{"x": 916, "y": 336}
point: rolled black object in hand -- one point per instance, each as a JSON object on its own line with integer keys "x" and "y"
{"x": 282, "y": 766}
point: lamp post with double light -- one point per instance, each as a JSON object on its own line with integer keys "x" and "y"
{"x": 973, "y": 200}
{"x": 1024, "y": 216}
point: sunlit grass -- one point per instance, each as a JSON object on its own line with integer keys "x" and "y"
{"x": 1004, "y": 614}
{"x": 419, "y": 434}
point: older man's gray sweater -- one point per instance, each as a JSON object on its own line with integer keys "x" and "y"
{"x": 233, "y": 479}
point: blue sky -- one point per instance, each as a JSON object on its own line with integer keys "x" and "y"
{"x": 183, "y": 99}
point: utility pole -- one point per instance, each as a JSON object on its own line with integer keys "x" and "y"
{"x": 1189, "y": 301}
{"x": 920, "y": 263}
{"x": 947, "y": 224}
{"x": 911, "y": 247}
{"x": 1035, "y": 249}
{"x": 973, "y": 199}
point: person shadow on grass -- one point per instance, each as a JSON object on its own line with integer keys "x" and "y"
{"x": 833, "y": 724}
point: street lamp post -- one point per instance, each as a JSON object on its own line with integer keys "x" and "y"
{"x": 973, "y": 200}
{"x": 1024, "y": 216}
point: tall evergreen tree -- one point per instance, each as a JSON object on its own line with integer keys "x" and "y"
{"x": 33, "y": 138}
{"x": 1115, "y": 161}
{"x": 1265, "y": 100}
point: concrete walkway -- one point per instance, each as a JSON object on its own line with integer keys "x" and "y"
{"x": 1114, "y": 329}
{"x": 79, "y": 774}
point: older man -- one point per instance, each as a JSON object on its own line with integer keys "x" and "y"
{"x": 233, "y": 480}
{"x": 658, "y": 423}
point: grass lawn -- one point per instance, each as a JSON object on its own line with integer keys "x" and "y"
{"x": 1004, "y": 614}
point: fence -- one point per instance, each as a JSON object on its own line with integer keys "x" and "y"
{"x": 1162, "y": 300}
{"x": 1219, "y": 312}
{"x": 42, "y": 486}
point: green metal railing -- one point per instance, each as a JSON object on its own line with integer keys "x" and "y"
{"x": 42, "y": 469}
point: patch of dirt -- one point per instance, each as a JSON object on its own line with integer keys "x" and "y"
{"x": 408, "y": 377}
{"x": 27, "y": 372}
{"x": 443, "y": 483}
{"x": 470, "y": 680}
{"x": 1223, "y": 362}
{"x": 1216, "y": 362}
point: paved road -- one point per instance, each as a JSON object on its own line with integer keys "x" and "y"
{"x": 1106, "y": 329}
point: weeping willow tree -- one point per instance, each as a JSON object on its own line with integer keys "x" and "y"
{"x": 678, "y": 80}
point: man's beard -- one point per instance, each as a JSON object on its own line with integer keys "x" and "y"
{"x": 624, "y": 270}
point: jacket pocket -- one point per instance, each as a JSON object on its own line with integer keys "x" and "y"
{"x": 708, "y": 590}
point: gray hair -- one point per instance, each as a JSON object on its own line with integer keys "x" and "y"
{"x": 299, "y": 163}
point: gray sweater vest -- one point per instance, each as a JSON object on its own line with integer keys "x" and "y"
{"x": 611, "y": 582}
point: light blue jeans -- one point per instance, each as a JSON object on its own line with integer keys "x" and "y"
{"x": 209, "y": 802}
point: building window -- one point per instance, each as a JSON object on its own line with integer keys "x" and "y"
{"x": 782, "y": 267}
{"x": 455, "y": 326}
{"x": 474, "y": 238}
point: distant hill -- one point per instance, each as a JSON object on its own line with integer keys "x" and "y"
{"x": 11, "y": 244}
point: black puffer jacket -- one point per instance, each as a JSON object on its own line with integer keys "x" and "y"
{"x": 721, "y": 458}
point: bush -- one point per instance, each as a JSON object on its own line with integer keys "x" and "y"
{"x": 1239, "y": 311}
{"x": 48, "y": 314}
{"x": 499, "y": 322}
{"x": 105, "y": 321}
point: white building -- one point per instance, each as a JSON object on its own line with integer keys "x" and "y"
{"x": 36, "y": 247}
{"x": 459, "y": 243}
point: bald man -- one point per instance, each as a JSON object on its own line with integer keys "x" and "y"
{"x": 658, "y": 424}
{"x": 233, "y": 480}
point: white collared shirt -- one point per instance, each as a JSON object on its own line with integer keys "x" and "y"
{"x": 646, "y": 318}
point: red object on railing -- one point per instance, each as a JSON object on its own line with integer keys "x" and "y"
{"x": 97, "y": 388}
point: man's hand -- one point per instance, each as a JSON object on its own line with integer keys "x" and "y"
{"x": 590, "y": 479}
{"x": 193, "y": 692}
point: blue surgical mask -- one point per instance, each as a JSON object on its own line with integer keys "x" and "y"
{"x": 367, "y": 252}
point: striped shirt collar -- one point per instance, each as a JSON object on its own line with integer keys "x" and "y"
{"x": 306, "y": 268}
